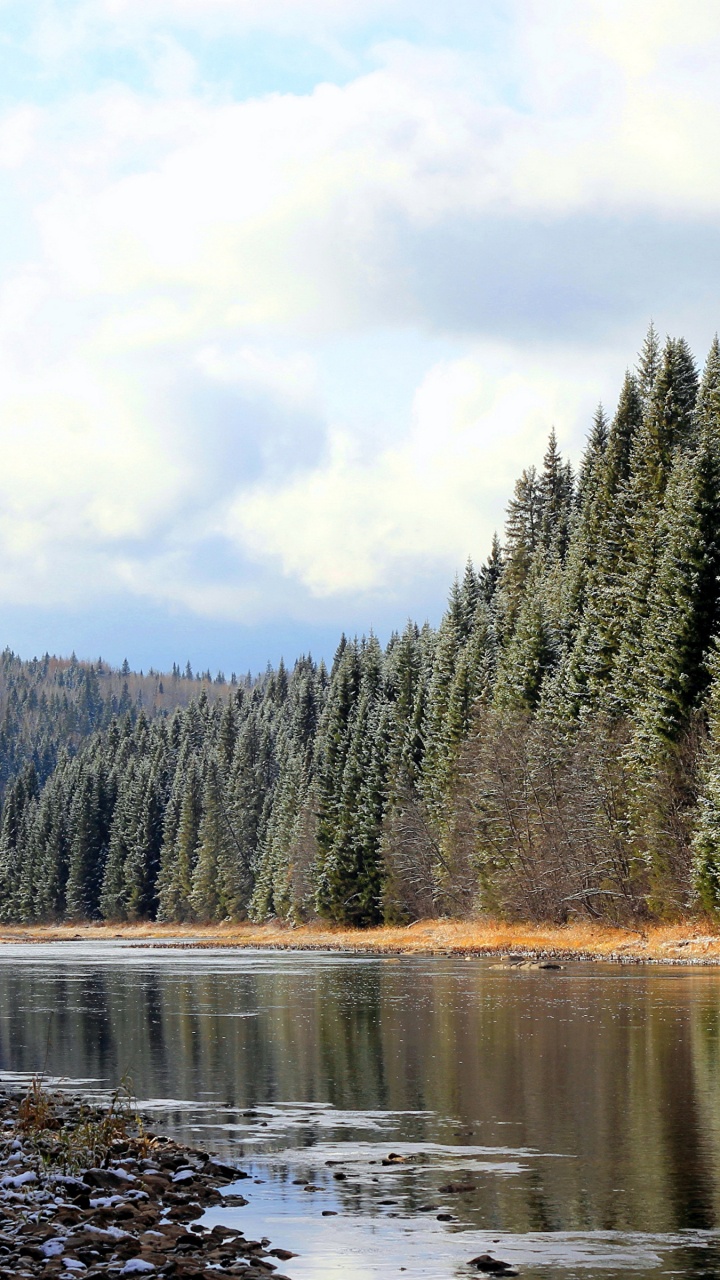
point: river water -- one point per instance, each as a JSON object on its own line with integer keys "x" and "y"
{"x": 580, "y": 1109}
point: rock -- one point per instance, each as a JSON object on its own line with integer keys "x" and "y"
{"x": 187, "y": 1212}
{"x": 227, "y": 1172}
{"x": 457, "y": 1188}
{"x": 43, "y": 1234}
{"x": 490, "y": 1266}
{"x": 188, "y": 1241}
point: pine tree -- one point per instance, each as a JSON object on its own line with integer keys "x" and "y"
{"x": 206, "y": 897}
{"x": 113, "y": 903}
{"x": 86, "y": 855}
{"x": 648, "y": 364}
{"x": 20, "y": 800}
{"x": 350, "y": 869}
{"x": 491, "y": 571}
{"x": 668, "y": 427}
{"x": 683, "y": 606}
{"x": 591, "y": 469}
{"x": 180, "y": 838}
{"x": 51, "y": 839}
{"x": 435, "y": 727}
{"x": 522, "y": 536}
{"x": 526, "y": 660}
{"x": 556, "y": 495}
{"x": 706, "y": 834}
{"x": 143, "y": 858}
{"x": 707, "y": 405}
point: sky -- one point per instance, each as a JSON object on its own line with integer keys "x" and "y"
{"x": 291, "y": 291}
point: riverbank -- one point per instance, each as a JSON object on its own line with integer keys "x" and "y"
{"x": 690, "y": 942}
{"x": 86, "y": 1190}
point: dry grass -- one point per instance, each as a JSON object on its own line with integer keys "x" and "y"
{"x": 691, "y": 940}
{"x": 79, "y": 1137}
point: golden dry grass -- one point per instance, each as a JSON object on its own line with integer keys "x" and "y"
{"x": 690, "y": 940}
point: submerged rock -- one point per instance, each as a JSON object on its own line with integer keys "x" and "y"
{"x": 489, "y": 1266}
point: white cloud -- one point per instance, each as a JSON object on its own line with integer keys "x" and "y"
{"x": 353, "y": 526}
{"x": 290, "y": 378}
{"x": 17, "y": 129}
{"x": 185, "y": 247}
{"x": 289, "y": 210}
{"x": 275, "y": 15}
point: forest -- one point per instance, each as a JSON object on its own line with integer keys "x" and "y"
{"x": 550, "y": 751}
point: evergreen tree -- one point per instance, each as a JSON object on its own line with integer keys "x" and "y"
{"x": 142, "y": 862}
{"x": 706, "y": 835}
{"x": 182, "y": 826}
{"x": 522, "y": 536}
{"x": 350, "y": 869}
{"x": 648, "y": 364}
{"x": 86, "y": 851}
{"x": 556, "y": 495}
{"x": 491, "y": 571}
{"x": 207, "y": 899}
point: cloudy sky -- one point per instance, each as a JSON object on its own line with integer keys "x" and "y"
{"x": 290, "y": 290}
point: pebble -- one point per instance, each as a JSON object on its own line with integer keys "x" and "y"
{"x": 132, "y": 1213}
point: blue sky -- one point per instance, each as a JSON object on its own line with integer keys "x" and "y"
{"x": 290, "y": 292}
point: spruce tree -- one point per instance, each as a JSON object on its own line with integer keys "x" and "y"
{"x": 706, "y": 834}
{"x": 86, "y": 853}
{"x": 181, "y": 829}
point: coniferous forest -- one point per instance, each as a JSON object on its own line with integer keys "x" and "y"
{"x": 551, "y": 751}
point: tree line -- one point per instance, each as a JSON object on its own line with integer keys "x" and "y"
{"x": 552, "y": 749}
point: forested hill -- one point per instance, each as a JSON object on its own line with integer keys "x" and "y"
{"x": 553, "y": 749}
{"x": 50, "y": 705}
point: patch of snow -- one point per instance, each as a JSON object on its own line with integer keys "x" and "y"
{"x": 21, "y": 1179}
{"x": 53, "y": 1248}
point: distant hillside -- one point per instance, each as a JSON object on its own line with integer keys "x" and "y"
{"x": 50, "y": 705}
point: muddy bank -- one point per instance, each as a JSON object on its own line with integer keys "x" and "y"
{"x": 686, "y": 942}
{"x": 86, "y": 1191}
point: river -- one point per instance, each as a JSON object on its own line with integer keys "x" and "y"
{"x": 579, "y": 1108}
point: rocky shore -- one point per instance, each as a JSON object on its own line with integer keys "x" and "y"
{"x": 86, "y": 1191}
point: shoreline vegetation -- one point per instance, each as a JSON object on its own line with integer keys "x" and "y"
{"x": 688, "y": 943}
{"x": 87, "y": 1189}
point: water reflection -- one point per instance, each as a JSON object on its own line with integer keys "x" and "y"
{"x": 572, "y": 1104}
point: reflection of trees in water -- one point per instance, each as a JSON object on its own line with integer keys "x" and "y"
{"x": 95, "y": 1028}
{"x": 155, "y": 1037}
{"x": 621, "y": 1075}
{"x": 690, "y": 1178}
{"x": 350, "y": 1035}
